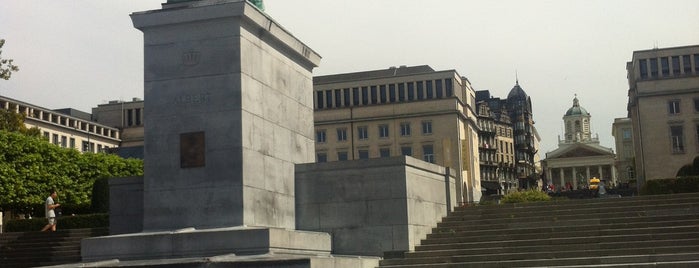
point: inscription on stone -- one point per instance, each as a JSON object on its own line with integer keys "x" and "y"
{"x": 193, "y": 99}
{"x": 191, "y": 58}
{"x": 192, "y": 150}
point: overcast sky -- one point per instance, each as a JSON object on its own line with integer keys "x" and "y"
{"x": 82, "y": 53}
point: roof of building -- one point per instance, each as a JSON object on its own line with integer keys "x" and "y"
{"x": 392, "y": 71}
{"x": 517, "y": 92}
{"x": 576, "y": 109}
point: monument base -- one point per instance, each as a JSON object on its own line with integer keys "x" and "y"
{"x": 253, "y": 247}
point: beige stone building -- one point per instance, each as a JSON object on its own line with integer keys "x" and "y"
{"x": 67, "y": 128}
{"x": 127, "y": 116}
{"x": 579, "y": 155}
{"x": 664, "y": 109}
{"x": 415, "y": 111}
{"x": 623, "y": 140}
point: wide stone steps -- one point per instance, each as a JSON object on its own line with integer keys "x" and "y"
{"x": 647, "y": 231}
{"x": 31, "y": 249}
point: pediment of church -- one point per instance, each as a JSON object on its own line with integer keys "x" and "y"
{"x": 580, "y": 150}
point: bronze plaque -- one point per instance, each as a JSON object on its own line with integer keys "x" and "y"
{"x": 192, "y": 150}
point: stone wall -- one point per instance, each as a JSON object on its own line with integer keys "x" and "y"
{"x": 372, "y": 206}
{"x": 125, "y": 205}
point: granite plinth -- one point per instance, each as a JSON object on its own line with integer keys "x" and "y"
{"x": 192, "y": 243}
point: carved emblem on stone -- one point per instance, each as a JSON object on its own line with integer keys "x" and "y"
{"x": 191, "y": 58}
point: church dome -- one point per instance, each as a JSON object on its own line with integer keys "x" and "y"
{"x": 576, "y": 109}
{"x": 517, "y": 92}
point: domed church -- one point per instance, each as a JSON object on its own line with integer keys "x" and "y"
{"x": 579, "y": 155}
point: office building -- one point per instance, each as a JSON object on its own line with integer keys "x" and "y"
{"x": 414, "y": 111}
{"x": 663, "y": 106}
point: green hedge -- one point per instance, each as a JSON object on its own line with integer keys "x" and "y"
{"x": 65, "y": 222}
{"x": 671, "y": 186}
{"x": 531, "y": 195}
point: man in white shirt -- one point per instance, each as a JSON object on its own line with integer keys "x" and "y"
{"x": 50, "y": 214}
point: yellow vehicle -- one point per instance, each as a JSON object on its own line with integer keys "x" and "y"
{"x": 594, "y": 183}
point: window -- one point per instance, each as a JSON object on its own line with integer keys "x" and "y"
{"x": 321, "y": 157}
{"x": 320, "y": 136}
{"x": 686, "y": 64}
{"x": 365, "y": 95}
{"x": 329, "y": 98}
{"x": 676, "y": 65}
{"x": 138, "y": 116}
{"x": 665, "y": 65}
{"x": 86, "y": 146}
{"x": 696, "y": 63}
{"x": 55, "y": 139}
{"x": 411, "y": 91}
{"x": 64, "y": 141}
{"x": 129, "y": 117}
{"x": 362, "y": 133}
{"x": 653, "y": 67}
{"x": 363, "y": 154}
{"x": 428, "y": 153}
{"x": 406, "y": 150}
{"x": 355, "y": 96}
{"x": 677, "y": 139}
{"x": 374, "y": 98}
{"x": 643, "y": 68}
{"x": 426, "y": 127}
{"x": 385, "y": 152}
{"x": 673, "y": 106}
{"x": 438, "y": 88}
{"x": 428, "y": 86}
{"x": 696, "y": 105}
{"x": 405, "y": 129}
{"x": 341, "y": 156}
{"x": 630, "y": 172}
{"x": 341, "y": 134}
{"x": 319, "y": 98}
{"x": 383, "y": 131}
{"x": 382, "y": 92}
{"x": 392, "y": 93}
{"x": 72, "y": 143}
{"x": 338, "y": 98}
{"x": 626, "y": 133}
{"x": 346, "y": 97}
{"x": 449, "y": 87}
{"x": 401, "y": 92}
{"x": 420, "y": 91}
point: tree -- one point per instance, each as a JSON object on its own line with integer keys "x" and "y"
{"x": 30, "y": 167}
{"x": 6, "y": 65}
{"x": 14, "y": 122}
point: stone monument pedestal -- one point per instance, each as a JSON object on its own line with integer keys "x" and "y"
{"x": 229, "y": 112}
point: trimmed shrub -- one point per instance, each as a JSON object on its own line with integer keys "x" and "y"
{"x": 671, "y": 186}
{"x": 66, "y": 222}
{"x": 531, "y": 195}
{"x": 100, "y": 196}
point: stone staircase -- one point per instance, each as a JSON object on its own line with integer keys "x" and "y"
{"x": 643, "y": 231}
{"x": 30, "y": 249}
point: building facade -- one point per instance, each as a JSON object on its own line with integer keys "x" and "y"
{"x": 526, "y": 139}
{"x": 622, "y": 130}
{"x": 127, "y": 116}
{"x": 414, "y": 111}
{"x": 663, "y": 107}
{"x": 496, "y": 144}
{"x": 66, "y": 128}
{"x": 579, "y": 155}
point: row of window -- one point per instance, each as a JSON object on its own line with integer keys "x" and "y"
{"x": 133, "y": 117}
{"x": 380, "y": 94}
{"x": 383, "y": 132}
{"x": 674, "y": 65}
{"x": 363, "y": 153}
{"x": 66, "y": 142}
{"x": 677, "y": 141}
{"x": 673, "y": 106}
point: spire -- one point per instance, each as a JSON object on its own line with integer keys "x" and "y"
{"x": 516, "y": 78}
{"x": 576, "y": 102}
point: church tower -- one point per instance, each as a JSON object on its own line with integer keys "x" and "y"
{"x": 577, "y": 124}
